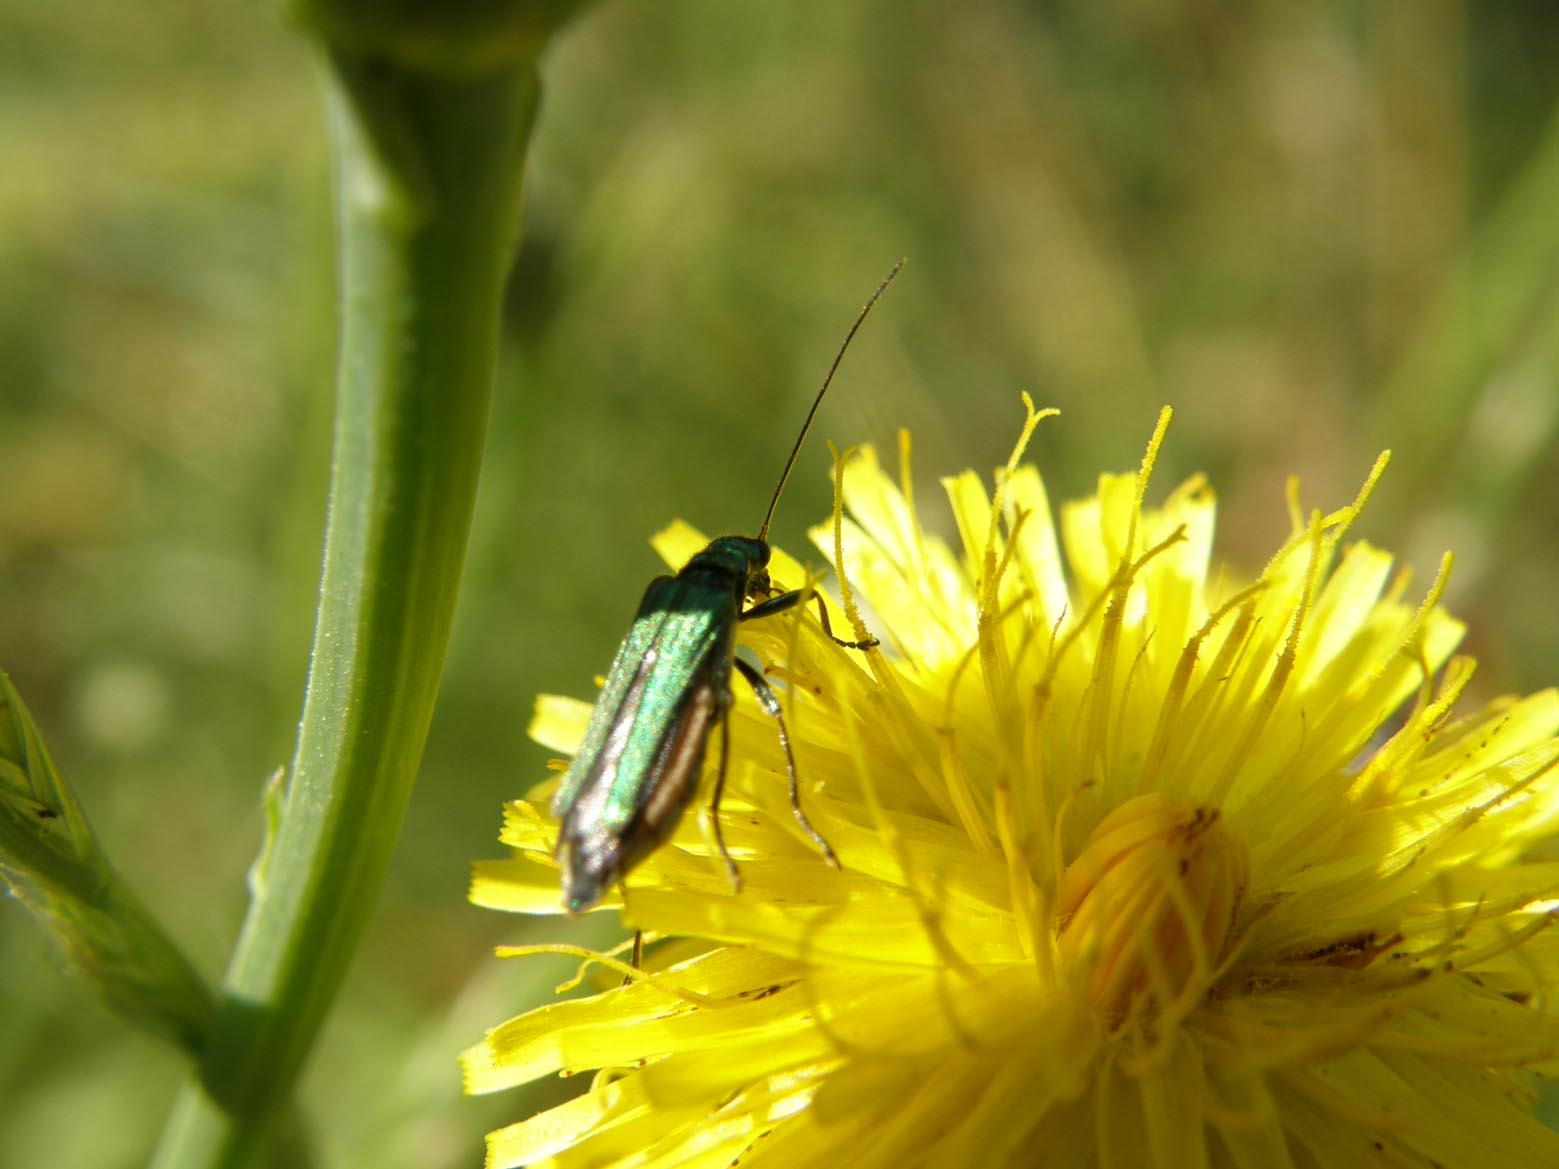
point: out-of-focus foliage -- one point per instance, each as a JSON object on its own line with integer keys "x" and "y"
{"x": 1317, "y": 230}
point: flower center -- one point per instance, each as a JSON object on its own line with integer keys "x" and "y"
{"x": 1146, "y": 909}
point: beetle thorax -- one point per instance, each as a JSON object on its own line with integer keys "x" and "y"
{"x": 742, "y": 558}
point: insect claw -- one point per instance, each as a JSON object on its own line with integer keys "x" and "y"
{"x": 869, "y": 643}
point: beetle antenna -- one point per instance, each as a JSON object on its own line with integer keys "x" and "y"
{"x": 763, "y": 532}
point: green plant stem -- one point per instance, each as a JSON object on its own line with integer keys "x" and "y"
{"x": 427, "y": 182}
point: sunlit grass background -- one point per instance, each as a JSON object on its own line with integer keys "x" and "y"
{"x": 1316, "y": 230}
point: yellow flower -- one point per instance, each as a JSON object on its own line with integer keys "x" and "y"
{"x": 1140, "y": 867}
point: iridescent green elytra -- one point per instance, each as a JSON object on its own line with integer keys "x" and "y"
{"x": 638, "y": 765}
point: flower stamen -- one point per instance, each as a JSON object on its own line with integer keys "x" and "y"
{"x": 1147, "y": 908}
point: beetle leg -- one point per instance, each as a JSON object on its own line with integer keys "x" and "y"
{"x": 771, "y": 706}
{"x": 822, "y": 616}
{"x": 714, "y": 803}
{"x": 789, "y": 600}
{"x": 637, "y": 958}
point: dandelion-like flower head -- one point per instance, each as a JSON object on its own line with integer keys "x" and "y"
{"x": 1140, "y": 867}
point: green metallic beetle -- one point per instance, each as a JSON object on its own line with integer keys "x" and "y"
{"x": 638, "y": 766}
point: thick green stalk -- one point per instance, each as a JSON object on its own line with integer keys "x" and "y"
{"x": 427, "y": 182}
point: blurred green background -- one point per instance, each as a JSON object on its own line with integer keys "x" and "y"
{"x": 1316, "y": 230}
